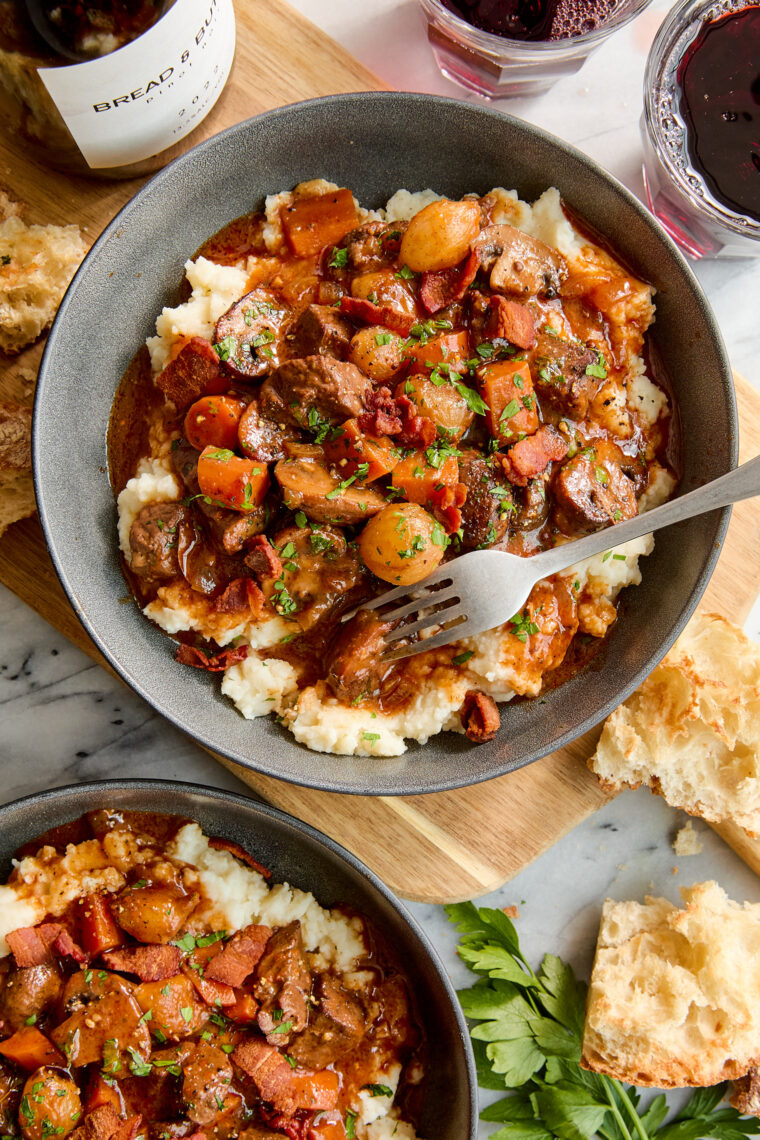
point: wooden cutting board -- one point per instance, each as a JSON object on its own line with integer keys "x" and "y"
{"x": 437, "y": 848}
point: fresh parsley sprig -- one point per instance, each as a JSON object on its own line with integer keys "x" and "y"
{"x": 527, "y": 1039}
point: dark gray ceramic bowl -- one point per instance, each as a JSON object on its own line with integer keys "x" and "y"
{"x": 305, "y": 858}
{"x": 374, "y": 143}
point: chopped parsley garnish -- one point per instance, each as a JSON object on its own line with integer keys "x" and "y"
{"x": 343, "y": 486}
{"x": 405, "y": 273}
{"x": 226, "y": 348}
{"x": 509, "y": 410}
{"x": 599, "y": 370}
{"x": 378, "y": 1090}
{"x": 461, "y": 659}
{"x": 383, "y": 338}
{"x": 339, "y": 259}
{"x": 522, "y": 627}
{"x": 284, "y": 1026}
{"x": 138, "y": 1065}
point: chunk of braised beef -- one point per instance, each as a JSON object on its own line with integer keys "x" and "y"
{"x": 561, "y": 376}
{"x": 283, "y": 983}
{"x": 28, "y": 992}
{"x": 154, "y": 539}
{"x": 595, "y": 489}
{"x": 194, "y": 372}
{"x": 332, "y": 389}
{"x": 373, "y": 245}
{"x": 480, "y": 716}
{"x": 206, "y": 1076}
{"x": 263, "y": 559}
{"x": 353, "y": 667}
{"x": 234, "y": 530}
{"x": 336, "y": 1027}
{"x": 321, "y": 331}
{"x": 322, "y": 573}
{"x": 250, "y": 336}
{"x": 531, "y": 456}
{"x": 488, "y": 505}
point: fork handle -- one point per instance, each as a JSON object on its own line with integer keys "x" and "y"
{"x": 741, "y": 483}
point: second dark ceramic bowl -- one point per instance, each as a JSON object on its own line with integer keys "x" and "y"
{"x": 300, "y": 855}
{"x": 374, "y": 143}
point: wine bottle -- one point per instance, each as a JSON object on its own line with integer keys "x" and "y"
{"x": 115, "y": 88}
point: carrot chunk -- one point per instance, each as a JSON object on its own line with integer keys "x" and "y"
{"x": 507, "y": 389}
{"x": 311, "y": 223}
{"x": 30, "y": 1049}
{"x": 348, "y": 448}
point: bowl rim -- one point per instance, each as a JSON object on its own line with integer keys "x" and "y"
{"x": 404, "y": 782}
{"x": 259, "y": 808}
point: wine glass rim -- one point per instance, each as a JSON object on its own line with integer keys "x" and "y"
{"x": 676, "y": 33}
{"x": 495, "y": 44}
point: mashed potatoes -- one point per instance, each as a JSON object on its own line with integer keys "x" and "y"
{"x": 496, "y": 662}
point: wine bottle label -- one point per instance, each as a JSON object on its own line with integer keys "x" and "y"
{"x": 143, "y": 98}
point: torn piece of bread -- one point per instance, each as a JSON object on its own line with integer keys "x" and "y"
{"x": 674, "y": 997}
{"x": 16, "y": 487}
{"x": 36, "y": 266}
{"x": 691, "y": 731}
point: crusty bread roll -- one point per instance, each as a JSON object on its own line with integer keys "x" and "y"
{"x": 16, "y": 488}
{"x": 36, "y": 266}
{"x": 691, "y": 731}
{"x": 674, "y": 997}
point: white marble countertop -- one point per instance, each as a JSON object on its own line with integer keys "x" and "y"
{"x": 65, "y": 720}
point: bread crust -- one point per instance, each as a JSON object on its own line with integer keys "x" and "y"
{"x": 674, "y": 998}
{"x": 691, "y": 731}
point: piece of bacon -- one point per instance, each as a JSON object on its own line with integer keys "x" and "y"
{"x": 33, "y": 945}
{"x": 416, "y": 431}
{"x": 240, "y": 853}
{"x": 447, "y": 503}
{"x": 194, "y": 372}
{"x": 382, "y": 416}
{"x": 242, "y": 596}
{"x": 66, "y": 947}
{"x": 262, "y": 558}
{"x": 214, "y": 663}
{"x": 150, "y": 963}
{"x": 480, "y": 716}
{"x": 441, "y": 287}
{"x": 374, "y": 314}
{"x": 239, "y": 957}
{"x": 532, "y": 455}
{"x": 511, "y": 321}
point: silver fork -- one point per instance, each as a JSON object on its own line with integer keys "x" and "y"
{"x": 485, "y": 588}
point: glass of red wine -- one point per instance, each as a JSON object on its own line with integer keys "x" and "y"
{"x": 499, "y": 48}
{"x": 701, "y": 127}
